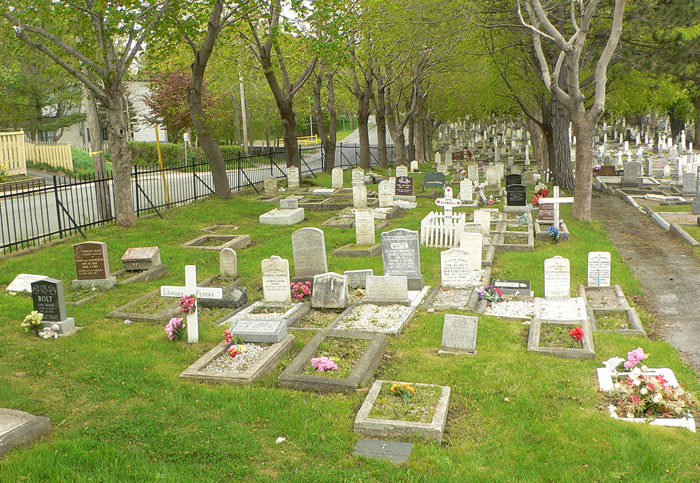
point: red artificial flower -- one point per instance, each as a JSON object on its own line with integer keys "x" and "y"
{"x": 576, "y": 334}
{"x": 498, "y": 291}
{"x": 634, "y": 399}
{"x": 535, "y": 199}
{"x": 544, "y": 192}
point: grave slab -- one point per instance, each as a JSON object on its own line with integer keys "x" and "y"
{"x": 280, "y": 216}
{"x": 459, "y": 334}
{"x": 19, "y": 428}
{"x": 394, "y": 451}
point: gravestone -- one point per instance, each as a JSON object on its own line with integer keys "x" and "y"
{"x": 23, "y": 282}
{"x": 695, "y": 205}
{"x": 275, "y": 281}
{"x": 483, "y": 218}
{"x": 386, "y": 194}
{"x": 606, "y": 171}
{"x": 359, "y": 196}
{"x": 473, "y": 244}
{"x": 466, "y": 193}
{"x": 259, "y": 330}
{"x": 557, "y": 281}
{"x": 546, "y": 213}
{"x": 289, "y": 203}
{"x": 598, "y": 269}
{"x": 517, "y": 195}
{"x": 401, "y": 256}
{"x": 414, "y": 166}
{"x": 48, "y": 298}
{"x": 689, "y": 187}
{"x": 292, "y": 177}
{"x": 386, "y": 290}
{"x": 19, "y": 428}
{"x": 632, "y": 172}
{"x": 442, "y": 169}
{"x": 337, "y": 178}
{"x": 434, "y": 180}
{"x": 438, "y": 158}
{"x": 459, "y": 334}
{"x": 270, "y": 186}
{"x": 404, "y": 186}
{"x": 330, "y": 291}
{"x": 358, "y": 176}
{"x": 455, "y": 270}
{"x": 142, "y": 258}
{"x": 448, "y": 202}
{"x": 358, "y": 278}
{"x": 473, "y": 172}
{"x": 513, "y": 287}
{"x": 448, "y": 158}
{"x": 309, "y": 249}
{"x": 92, "y": 266}
{"x": 513, "y": 179}
{"x": 492, "y": 179}
{"x": 401, "y": 170}
{"x": 364, "y": 227}
{"x": 228, "y": 264}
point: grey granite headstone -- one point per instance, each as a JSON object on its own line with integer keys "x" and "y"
{"x": 689, "y": 187}
{"x": 330, "y": 291}
{"x": 142, "y": 258}
{"x": 632, "y": 172}
{"x": 309, "y": 248}
{"x": 394, "y": 451}
{"x": 48, "y": 298}
{"x": 268, "y": 331}
{"x": 459, "y": 334}
{"x": 401, "y": 256}
{"x": 19, "y": 428}
{"x": 358, "y": 278}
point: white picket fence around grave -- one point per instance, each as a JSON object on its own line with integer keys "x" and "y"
{"x": 440, "y": 231}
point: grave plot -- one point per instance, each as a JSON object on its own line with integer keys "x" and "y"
{"x": 688, "y": 232}
{"x": 233, "y": 294}
{"x": 19, "y": 428}
{"x": 365, "y": 237}
{"x": 219, "y": 242}
{"x": 148, "y": 308}
{"x": 514, "y": 237}
{"x": 518, "y": 309}
{"x": 261, "y": 321}
{"x": 335, "y": 361}
{"x": 557, "y": 339}
{"x": 316, "y": 319}
{"x": 218, "y": 367}
{"x": 214, "y": 315}
{"x": 80, "y": 296}
{"x": 384, "y": 414}
{"x": 140, "y": 264}
{"x": 220, "y": 229}
{"x": 451, "y": 299}
{"x": 288, "y": 213}
{"x": 561, "y": 308}
{"x": 604, "y": 298}
{"x": 621, "y": 321}
{"x": 379, "y": 319}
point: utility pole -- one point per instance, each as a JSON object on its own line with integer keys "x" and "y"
{"x": 244, "y": 117}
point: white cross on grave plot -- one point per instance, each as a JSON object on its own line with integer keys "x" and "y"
{"x": 448, "y": 202}
{"x": 556, "y": 201}
{"x": 191, "y": 288}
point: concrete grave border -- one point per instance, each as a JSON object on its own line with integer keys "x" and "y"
{"x": 291, "y": 314}
{"x": 361, "y": 373}
{"x": 395, "y": 332}
{"x": 263, "y": 365}
{"x": 633, "y": 321}
{"x": 172, "y": 310}
{"x": 401, "y": 429}
{"x": 33, "y": 427}
{"x": 212, "y": 229}
{"x": 621, "y": 299}
{"x": 236, "y": 242}
{"x": 338, "y": 316}
{"x": 586, "y": 352}
{"x": 142, "y": 276}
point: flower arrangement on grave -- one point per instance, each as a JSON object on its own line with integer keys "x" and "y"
{"x": 490, "y": 294}
{"x": 301, "y": 290}
{"x": 651, "y": 397}
{"x": 188, "y": 304}
{"x": 596, "y": 167}
{"x": 175, "y": 328}
{"x": 32, "y": 322}
{"x": 236, "y": 346}
{"x": 618, "y": 365}
{"x": 556, "y": 235}
{"x": 490, "y": 201}
{"x": 323, "y": 364}
{"x": 576, "y": 334}
{"x": 404, "y": 391}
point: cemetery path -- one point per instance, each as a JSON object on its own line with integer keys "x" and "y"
{"x": 667, "y": 269}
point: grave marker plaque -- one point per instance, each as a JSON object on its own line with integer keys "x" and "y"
{"x": 517, "y": 195}
{"x": 511, "y": 287}
{"x": 404, "y": 186}
{"x": 598, "y": 269}
{"x": 455, "y": 271}
{"x": 91, "y": 261}
{"x": 459, "y": 333}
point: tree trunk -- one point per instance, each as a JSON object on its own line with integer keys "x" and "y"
{"x": 289, "y": 125}
{"x": 121, "y": 156}
{"x": 352, "y": 120}
{"x": 696, "y": 137}
{"x": 102, "y": 195}
{"x": 332, "y": 124}
{"x": 362, "y": 126}
{"x": 561, "y": 161}
{"x": 419, "y": 131}
{"x": 539, "y": 144}
{"x": 381, "y": 126}
{"x": 584, "y": 132}
{"x": 411, "y": 139}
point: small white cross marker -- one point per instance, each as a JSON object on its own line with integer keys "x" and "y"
{"x": 448, "y": 202}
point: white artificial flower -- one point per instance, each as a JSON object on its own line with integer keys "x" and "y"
{"x": 657, "y": 398}
{"x": 636, "y": 372}
{"x": 643, "y": 391}
{"x": 637, "y": 382}
{"x": 612, "y": 363}
{"x": 644, "y": 368}
{"x": 617, "y": 385}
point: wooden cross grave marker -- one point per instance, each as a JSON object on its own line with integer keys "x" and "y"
{"x": 556, "y": 201}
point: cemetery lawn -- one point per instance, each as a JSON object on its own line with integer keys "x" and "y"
{"x": 419, "y": 408}
{"x": 672, "y": 208}
{"x": 120, "y": 413}
{"x": 610, "y": 320}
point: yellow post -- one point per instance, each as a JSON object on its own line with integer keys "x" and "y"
{"x": 160, "y": 162}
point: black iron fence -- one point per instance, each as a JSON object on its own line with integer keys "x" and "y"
{"x": 34, "y": 214}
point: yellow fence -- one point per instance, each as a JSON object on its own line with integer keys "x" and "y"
{"x": 15, "y": 151}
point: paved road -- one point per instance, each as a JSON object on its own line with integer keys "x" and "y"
{"x": 667, "y": 269}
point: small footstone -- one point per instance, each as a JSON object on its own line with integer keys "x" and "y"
{"x": 18, "y": 428}
{"x": 394, "y": 451}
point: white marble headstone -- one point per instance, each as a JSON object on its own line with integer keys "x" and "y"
{"x": 557, "y": 277}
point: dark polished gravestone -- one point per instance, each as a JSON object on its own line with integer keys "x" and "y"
{"x": 401, "y": 256}
{"x": 512, "y": 287}
{"x": 404, "y": 186}
{"x": 517, "y": 195}
{"x": 92, "y": 266}
{"x": 512, "y": 179}
{"x": 48, "y": 299}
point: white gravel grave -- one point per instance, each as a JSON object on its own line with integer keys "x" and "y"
{"x": 382, "y": 319}
{"x": 512, "y": 309}
{"x": 225, "y": 364}
{"x": 561, "y": 309}
{"x": 452, "y": 299}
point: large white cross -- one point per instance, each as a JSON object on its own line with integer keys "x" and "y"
{"x": 448, "y": 202}
{"x": 191, "y": 288}
{"x": 556, "y": 201}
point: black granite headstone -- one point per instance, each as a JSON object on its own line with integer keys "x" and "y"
{"x": 49, "y": 300}
{"x": 517, "y": 195}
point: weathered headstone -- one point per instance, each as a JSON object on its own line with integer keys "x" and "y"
{"x": 438, "y": 158}
{"x": 689, "y": 187}
{"x": 275, "y": 281}
{"x": 557, "y": 281}
{"x": 48, "y": 298}
{"x": 401, "y": 256}
{"x": 142, "y": 258}
{"x": 401, "y": 170}
{"x": 270, "y": 186}
{"x": 23, "y": 282}
{"x": 473, "y": 244}
{"x": 289, "y": 203}
{"x": 459, "y": 334}
{"x": 330, "y": 291}
{"x": 598, "y": 269}
{"x": 404, "y": 186}
{"x": 358, "y": 278}
{"x": 414, "y": 166}
{"x": 448, "y": 158}
{"x": 386, "y": 290}
{"x": 473, "y": 172}
{"x": 364, "y": 227}
{"x": 228, "y": 264}
{"x": 466, "y": 191}
{"x": 359, "y": 196}
{"x": 492, "y": 179}
{"x": 632, "y": 172}
{"x": 483, "y": 218}
{"x": 292, "y": 177}
{"x": 358, "y": 176}
{"x": 517, "y": 195}
{"x": 455, "y": 271}
{"x": 309, "y": 249}
{"x": 386, "y": 194}
{"x": 337, "y": 178}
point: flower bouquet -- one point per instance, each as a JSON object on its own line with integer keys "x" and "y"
{"x": 32, "y": 322}
{"x": 301, "y": 290}
{"x": 188, "y": 304}
{"x": 556, "y": 235}
{"x": 404, "y": 391}
{"x": 175, "y": 328}
{"x": 490, "y": 294}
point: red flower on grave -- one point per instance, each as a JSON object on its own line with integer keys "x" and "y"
{"x": 576, "y": 334}
{"x": 535, "y": 199}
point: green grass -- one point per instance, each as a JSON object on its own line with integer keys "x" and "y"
{"x": 418, "y": 408}
{"x": 556, "y": 335}
{"x": 344, "y": 352}
{"x": 672, "y": 208}
{"x": 120, "y": 412}
{"x": 611, "y": 320}
{"x": 692, "y": 230}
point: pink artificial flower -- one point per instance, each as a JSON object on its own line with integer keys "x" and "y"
{"x": 228, "y": 336}
{"x": 635, "y": 357}
{"x": 323, "y": 364}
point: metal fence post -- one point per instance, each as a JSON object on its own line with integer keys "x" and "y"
{"x": 194, "y": 178}
{"x": 239, "y": 171}
{"x": 58, "y": 209}
{"x": 136, "y": 188}
{"x": 269, "y": 152}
